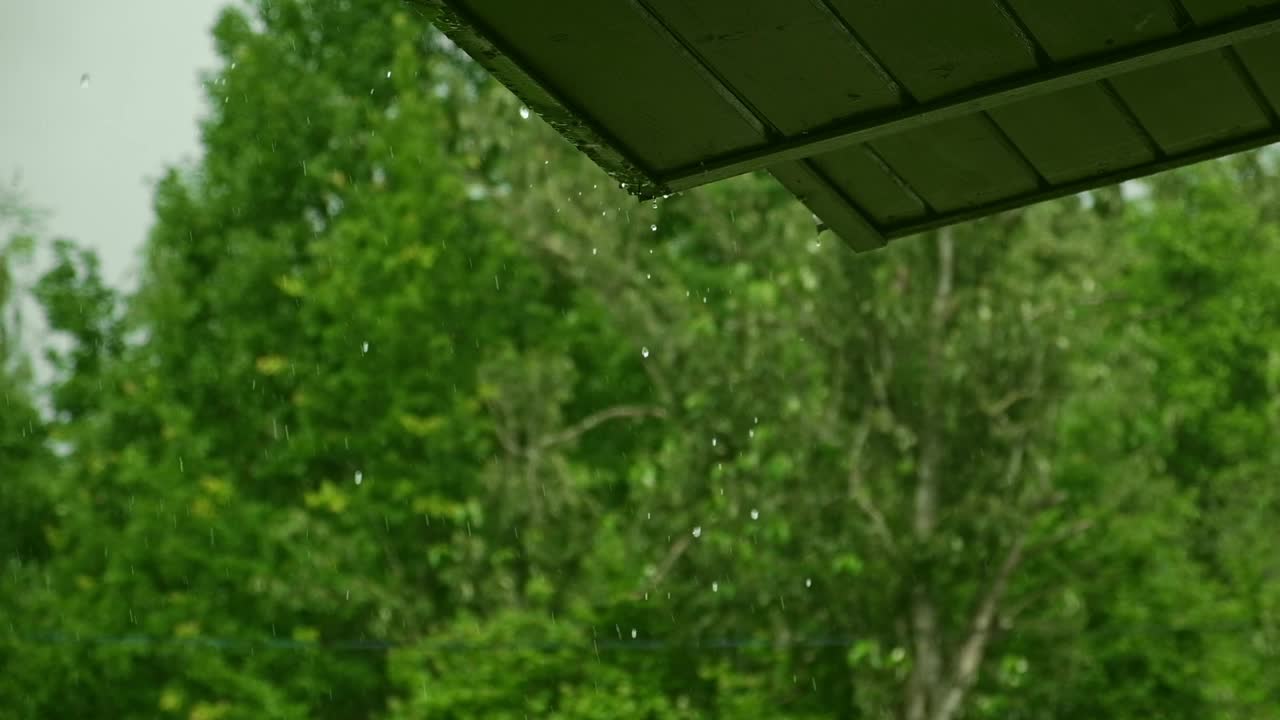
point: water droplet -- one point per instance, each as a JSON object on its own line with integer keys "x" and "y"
{"x": 524, "y": 113}
{"x": 84, "y": 80}
{"x": 697, "y": 532}
{"x": 359, "y": 477}
{"x": 715, "y": 587}
{"x": 633, "y": 633}
{"x": 755, "y": 514}
{"x": 644, "y": 352}
{"x": 715, "y": 441}
{"x": 622, "y": 185}
{"x": 593, "y": 251}
{"x": 808, "y": 582}
{"x": 388, "y": 73}
{"x": 751, "y": 432}
{"x": 364, "y": 347}
{"x": 653, "y": 228}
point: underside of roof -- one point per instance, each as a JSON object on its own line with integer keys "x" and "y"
{"x": 888, "y": 117}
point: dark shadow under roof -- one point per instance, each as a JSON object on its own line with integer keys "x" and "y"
{"x": 888, "y": 117}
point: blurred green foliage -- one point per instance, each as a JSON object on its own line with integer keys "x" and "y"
{"x": 415, "y": 415}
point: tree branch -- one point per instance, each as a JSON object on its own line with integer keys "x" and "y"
{"x": 861, "y": 497}
{"x": 590, "y": 422}
{"x": 677, "y": 550}
{"x": 970, "y": 655}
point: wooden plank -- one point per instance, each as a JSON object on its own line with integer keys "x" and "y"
{"x": 1205, "y": 12}
{"x": 605, "y": 59}
{"x": 838, "y": 211}
{"x": 1035, "y": 84}
{"x": 569, "y": 120}
{"x": 806, "y": 182}
{"x": 956, "y": 163}
{"x": 1073, "y": 134}
{"x": 1235, "y": 145}
{"x": 1261, "y": 58}
{"x": 939, "y": 47}
{"x": 1076, "y": 29}
{"x": 877, "y": 187}
{"x": 780, "y": 57}
{"x": 1191, "y": 103}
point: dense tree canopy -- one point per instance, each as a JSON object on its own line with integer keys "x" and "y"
{"x": 416, "y": 415}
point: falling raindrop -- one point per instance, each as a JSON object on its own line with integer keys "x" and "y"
{"x": 751, "y": 433}
{"x": 84, "y": 81}
{"x": 715, "y": 441}
{"x": 524, "y": 113}
{"x": 359, "y": 477}
{"x": 593, "y": 251}
{"x": 653, "y": 228}
{"x": 388, "y": 73}
{"x": 633, "y": 633}
{"x": 697, "y": 532}
{"x": 808, "y": 582}
{"x": 755, "y": 514}
{"x": 644, "y": 352}
{"x": 715, "y": 587}
{"x": 364, "y": 347}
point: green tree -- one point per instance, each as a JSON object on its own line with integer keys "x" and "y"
{"x": 25, "y": 458}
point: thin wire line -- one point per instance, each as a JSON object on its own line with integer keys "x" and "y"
{"x": 450, "y": 646}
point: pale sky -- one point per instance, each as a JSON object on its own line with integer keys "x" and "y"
{"x": 89, "y": 155}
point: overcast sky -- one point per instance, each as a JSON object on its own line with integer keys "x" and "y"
{"x": 89, "y": 154}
